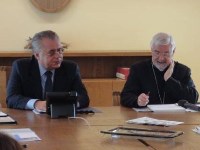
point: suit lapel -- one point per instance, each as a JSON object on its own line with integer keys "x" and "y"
{"x": 35, "y": 78}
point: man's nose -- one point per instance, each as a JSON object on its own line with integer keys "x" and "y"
{"x": 58, "y": 54}
{"x": 161, "y": 57}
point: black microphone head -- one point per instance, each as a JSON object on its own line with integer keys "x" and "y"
{"x": 182, "y": 102}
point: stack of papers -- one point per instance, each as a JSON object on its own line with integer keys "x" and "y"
{"x": 21, "y": 135}
{"x": 166, "y": 108}
{"x": 5, "y": 119}
{"x": 2, "y": 114}
{"x": 152, "y": 121}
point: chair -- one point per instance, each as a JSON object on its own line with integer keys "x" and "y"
{"x": 4, "y": 75}
{"x": 116, "y": 98}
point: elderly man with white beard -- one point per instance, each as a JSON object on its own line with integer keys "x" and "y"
{"x": 160, "y": 80}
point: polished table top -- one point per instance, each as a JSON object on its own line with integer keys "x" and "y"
{"x": 63, "y": 133}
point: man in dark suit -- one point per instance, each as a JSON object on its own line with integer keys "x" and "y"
{"x": 160, "y": 80}
{"x": 27, "y": 84}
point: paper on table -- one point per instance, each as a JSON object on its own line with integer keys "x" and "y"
{"x": 196, "y": 129}
{"x": 23, "y": 134}
{"x": 166, "y": 108}
{"x": 144, "y": 109}
{"x": 2, "y": 114}
{"x": 7, "y": 120}
{"x": 152, "y": 121}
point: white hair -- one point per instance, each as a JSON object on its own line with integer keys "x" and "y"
{"x": 162, "y": 39}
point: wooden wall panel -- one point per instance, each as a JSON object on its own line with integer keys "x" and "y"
{"x": 3, "y": 80}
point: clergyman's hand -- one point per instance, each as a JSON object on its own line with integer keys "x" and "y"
{"x": 143, "y": 99}
{"x": 169, "y": 71}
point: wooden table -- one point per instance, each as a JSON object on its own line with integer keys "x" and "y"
{"x": 72, "y": 134}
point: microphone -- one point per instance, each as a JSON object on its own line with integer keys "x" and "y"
{"x": 185, "y": 104}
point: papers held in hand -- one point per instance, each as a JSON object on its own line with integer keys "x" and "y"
{"x": 166, "y": 108}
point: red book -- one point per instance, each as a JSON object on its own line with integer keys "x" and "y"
{"x": 122, "y": 72}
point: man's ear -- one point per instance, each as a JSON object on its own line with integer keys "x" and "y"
{"x": 174, "y": 50}
{"x": 36, "y": 55}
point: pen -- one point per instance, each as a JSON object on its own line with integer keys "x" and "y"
{"x": 148, "y": 93}
{"x": 146, "y": 144}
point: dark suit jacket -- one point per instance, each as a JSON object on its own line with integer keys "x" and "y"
{"x": 25, "y": 82}
{"x": 142, "y": 80}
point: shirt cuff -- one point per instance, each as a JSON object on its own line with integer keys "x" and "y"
{"x": 78, "y": 104}
{"x": 30, "y": 104}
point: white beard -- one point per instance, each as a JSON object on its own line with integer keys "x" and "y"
{"x": 160, "y": 67}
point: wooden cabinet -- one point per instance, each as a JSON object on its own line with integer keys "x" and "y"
{"x": 104, "y": 92}
{"x": 99, "y": 91}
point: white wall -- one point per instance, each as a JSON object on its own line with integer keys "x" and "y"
{"x": 108, "y": 25}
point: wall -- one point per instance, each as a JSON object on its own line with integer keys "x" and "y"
{"x": 108, "y": 25}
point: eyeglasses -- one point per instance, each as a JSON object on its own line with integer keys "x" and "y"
{"x": 52, "y": 52}
{"x": 164, "y": 54}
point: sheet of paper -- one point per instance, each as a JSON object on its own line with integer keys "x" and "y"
{"x": 2, "y": 114}
{"x": 152, "y": 121}
{"x": 196, "y": 129}
{"x": 23, "y": 134}
{"x": 166, "y": 108}
{"x": 145, "y": 109}
{"x": 6, "y": 119}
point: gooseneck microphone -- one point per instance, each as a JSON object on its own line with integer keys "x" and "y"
{"x": 185, "y": 104}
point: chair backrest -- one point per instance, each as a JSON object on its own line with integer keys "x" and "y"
{"x": 116, "y": 98}
{"x": 4, "y": 75}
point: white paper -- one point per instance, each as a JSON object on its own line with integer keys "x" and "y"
{"x": 196, "y": 129}
{"x": 152, "y": 121}
{"x": 2, "y": 114}
{"x": 23, "y": 134}
{"x": 6, "y": 119}
{"x": 166, "y": 108}
{"x": 145, "y": 109}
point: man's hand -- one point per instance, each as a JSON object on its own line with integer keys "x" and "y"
{"x": 40, "y": 105}
{"x": 169, "y": 71}
{"x": 143, "y": 99}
